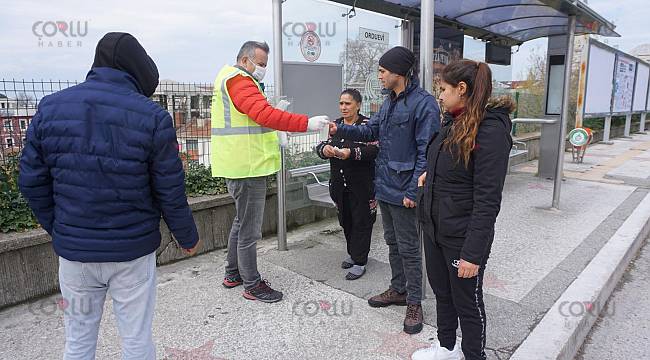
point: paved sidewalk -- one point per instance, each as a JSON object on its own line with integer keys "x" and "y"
{"x": 623, "y": 328}
{"x": 536, "y": 255}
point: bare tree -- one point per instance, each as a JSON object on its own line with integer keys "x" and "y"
{"x": 535, "y": 74}
{"x": 532, "y": 101}
{"x": 23, "y": 100}
{"x": 362, "y": 59}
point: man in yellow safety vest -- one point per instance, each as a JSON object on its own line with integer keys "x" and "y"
{"x": 244, "y": 149}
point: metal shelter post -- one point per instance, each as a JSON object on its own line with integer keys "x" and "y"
{"x": 277, "y": 81}
{"x": 628, "y": 125}
{"x": 407, "y": 34}
{"x": 568, "y": 60}
{"x": 607, "y": 130}
{"x": 426, "y": 77}
{"x": 642, "y": 123}
{"x": 426, "y": 44}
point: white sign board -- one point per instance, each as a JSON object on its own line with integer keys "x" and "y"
{"x": 624, "y": 84}
{"x": 556, "y": 82}
{"x": 598, "y": 96}
{"x": 373, "y": 36}
{"x": 641, "y": 87}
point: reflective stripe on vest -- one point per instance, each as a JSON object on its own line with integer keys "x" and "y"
{"x": 241, "y": 130}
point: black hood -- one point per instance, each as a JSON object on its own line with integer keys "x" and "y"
{"x": 499, "y": 109}
{"x": 121, "y": 51}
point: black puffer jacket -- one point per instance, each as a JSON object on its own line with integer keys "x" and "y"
{"x": 468, "y": 199}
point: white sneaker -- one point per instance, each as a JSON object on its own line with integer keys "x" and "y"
{"x": 437, "y": 352}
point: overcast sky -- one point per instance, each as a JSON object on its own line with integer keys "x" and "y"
{"x": 190, "y": 41}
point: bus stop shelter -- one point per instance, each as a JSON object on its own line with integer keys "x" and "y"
{"x": 501, "y": 23}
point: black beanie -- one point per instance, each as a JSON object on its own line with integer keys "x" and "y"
{"x": 398, "y": 60}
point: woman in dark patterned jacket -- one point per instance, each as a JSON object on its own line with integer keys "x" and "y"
{"x": 352, "y": 166}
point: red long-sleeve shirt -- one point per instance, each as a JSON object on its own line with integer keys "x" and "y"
{"x": 249, "y": 100}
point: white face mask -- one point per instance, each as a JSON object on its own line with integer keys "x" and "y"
{"x": 259, "y": 71}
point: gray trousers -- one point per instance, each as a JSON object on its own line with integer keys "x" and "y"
{"x": 404, "y": 253}
{"x": 249, "y": 195}
{"x": 132, "y": 287}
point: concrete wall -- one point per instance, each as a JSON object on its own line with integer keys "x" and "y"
{"x": 29, "y": 266}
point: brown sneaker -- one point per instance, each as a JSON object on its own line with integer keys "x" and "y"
{"x": 387, "y": 298}
{"x": 413, "y": 319}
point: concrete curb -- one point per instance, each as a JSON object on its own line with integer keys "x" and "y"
{"x": 561, "y": 332}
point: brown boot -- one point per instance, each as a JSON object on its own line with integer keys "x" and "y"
{"x": 413, "y": 319}
{"x": 387, "y": 298}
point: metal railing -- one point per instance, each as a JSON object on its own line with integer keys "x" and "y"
{"x": 188, "y": 104}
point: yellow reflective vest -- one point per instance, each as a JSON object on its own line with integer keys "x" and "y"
{"x": 239, "y": 147}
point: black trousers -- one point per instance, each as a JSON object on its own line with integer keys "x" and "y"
{"x": 456, "y": 298}
{"x": 357, "y": 216}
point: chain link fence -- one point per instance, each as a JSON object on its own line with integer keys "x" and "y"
{"x": 18, "y": 103}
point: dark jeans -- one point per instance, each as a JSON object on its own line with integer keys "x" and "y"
{"x": 249, "y": 195}
{"x": 404, "y": 255}
{"x": 456, "y": 298}
{"x": 357, "y": 218}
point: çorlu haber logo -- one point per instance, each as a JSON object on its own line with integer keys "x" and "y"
{"x": 324, "y": 307}
{"x": 293, "y": 31}
{"x": 59, "y": 33}
{"x": 72, "y": 306}
{"x": 583, "y": 308}
{"x": 326, "y": 30}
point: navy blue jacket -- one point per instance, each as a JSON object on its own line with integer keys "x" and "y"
{"x": 404, "y": 125}
{"x": 100, "y": 166}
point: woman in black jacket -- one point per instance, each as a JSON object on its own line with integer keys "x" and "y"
{"x": 352, "y": 166}
{"x": 458, "y": 203}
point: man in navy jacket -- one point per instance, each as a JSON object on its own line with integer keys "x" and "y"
{"x": 405, "y": 123}
{"x": 99, "y": 168}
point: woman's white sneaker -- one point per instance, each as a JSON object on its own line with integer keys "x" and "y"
{"x": 426, "y": 353}
{"x": 437, "y": 352}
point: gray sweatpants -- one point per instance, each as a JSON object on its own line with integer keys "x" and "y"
{"x": 249, "y": 195}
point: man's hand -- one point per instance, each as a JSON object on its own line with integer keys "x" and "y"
{"x": 422, "y": 179}
{"x": 328, "y": 151}
{"x": 317, "y": 122}
{"x": 408, "y": 203}
{"x": 467, "y": 270}
{"x": 333, "y": 128}
{"x": 342, "y": 154}
{"x": 192, "y": 251}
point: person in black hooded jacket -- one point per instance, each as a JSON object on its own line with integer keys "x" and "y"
{"x": 458, "y": 203}
{"x": 99, "y": 169}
